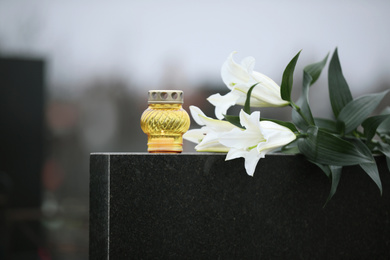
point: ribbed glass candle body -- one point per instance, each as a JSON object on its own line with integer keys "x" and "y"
{"x": 165, "y": 122}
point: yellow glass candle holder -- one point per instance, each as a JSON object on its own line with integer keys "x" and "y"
{"x": 165, "y": 121}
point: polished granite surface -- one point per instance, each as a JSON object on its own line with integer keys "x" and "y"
{"x": 199, "y": 206}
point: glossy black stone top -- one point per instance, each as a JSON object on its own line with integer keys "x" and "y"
{"x": 199, "y": 206}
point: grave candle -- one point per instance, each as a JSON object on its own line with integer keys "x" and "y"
{"x": 165, "y": 121}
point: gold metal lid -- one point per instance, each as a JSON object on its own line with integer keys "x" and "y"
{"x": 165, "y": 96}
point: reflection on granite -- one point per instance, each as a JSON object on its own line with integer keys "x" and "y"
{"x": 197, "y": 206}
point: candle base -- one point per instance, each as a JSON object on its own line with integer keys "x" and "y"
{"x": 165, "y": 144}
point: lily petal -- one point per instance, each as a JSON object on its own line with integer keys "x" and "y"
{"x": 210, "y": 143}
{"x": 251, "y": 157}
{"x": 233, "y": 73}
{"x": 248, "y": 63}
{"x": 235, "y": 153}
{"x": 267, "y": 81}
{"x": 276, "y": 136}
{"x": 236, "y": 139}
{"x": 263, "y": 95}
{"x": 251, "y": 121}
{"x": 222, "y": 103}
{"x": 214, "y": 147}
{"x": 244, "y": 139}
{"x": 218, "y": 125}
{"x": 214, "y": 124}
{"x": 195, "y": 113}
{"x": 208, "y": 136}
{"x": 218, "y": 148}
{"x": 195, "y": 135}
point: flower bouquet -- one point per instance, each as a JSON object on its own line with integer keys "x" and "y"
{"x": 351, "y": 138}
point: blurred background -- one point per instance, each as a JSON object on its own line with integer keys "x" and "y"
{"x": 74, "y": 77}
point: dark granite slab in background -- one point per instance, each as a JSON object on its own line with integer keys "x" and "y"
{"x": 197, "y": 206}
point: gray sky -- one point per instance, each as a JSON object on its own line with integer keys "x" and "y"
{"x": 144, "y": 41}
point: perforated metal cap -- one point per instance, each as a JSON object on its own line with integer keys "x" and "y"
{"x": 165, "y": 96}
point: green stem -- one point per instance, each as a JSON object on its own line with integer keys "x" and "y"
{"x": 356, "y": 134}
{"x": 300, "y": 135}
{"x": 383, "y": 138}
{"x": 299, "y": 111}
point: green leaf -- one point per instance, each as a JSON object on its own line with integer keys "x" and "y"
{"x": 384, "y": 128}
{"x": 335, "y": 176}
{"x": 247, "y": 106}
{"x": 388, "y": 163}
{"x": 370, "y": 168}
{"x": 356, "y": 111}
{"x": 325, "y": 148}
{"x": 339, "y": 92}
{"x": 327, "y": 124}
{"x": 287, "y": 79}
{"x": 386, "y": 111}
{"x": 291, "y": 148}
{"x": 235, "y": 120}
{"x": 314, "y": 70}
{"x": 371, "y": 124}
{"x": 324, "y": 168}
{"x": 311, "y": 73}
{"x": 334, "y": 173}
{"x": 289, "y": 125}
{"x": 384, "y": 148}
{"x": 304, "y": 118}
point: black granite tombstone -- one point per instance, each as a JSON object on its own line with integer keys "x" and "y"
{"x": 21, "y": 156}
{"x": 199, "y": 206}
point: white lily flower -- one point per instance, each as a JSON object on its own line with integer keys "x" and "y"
{"x": 207, "y": 137}
{"x": 239, "y": 78}
{"x": 258, "y": 139}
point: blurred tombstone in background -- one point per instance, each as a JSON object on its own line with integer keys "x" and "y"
{"x": 21, "y": 157}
